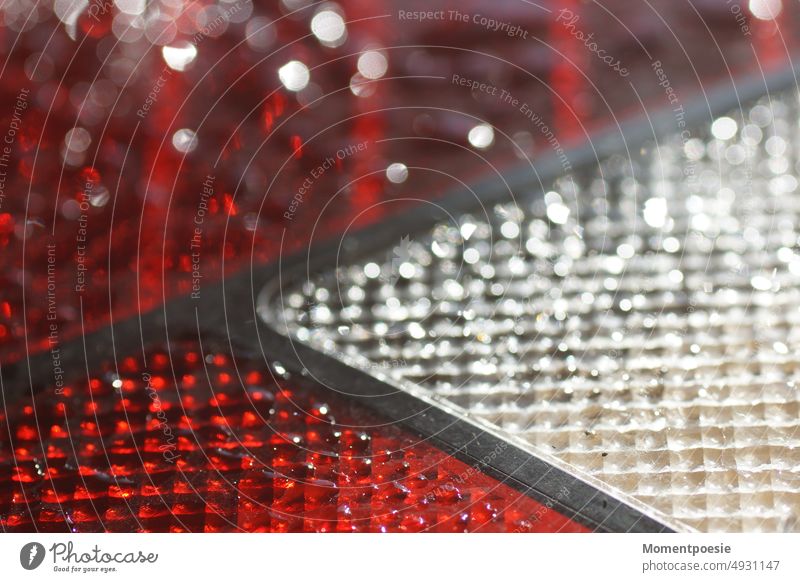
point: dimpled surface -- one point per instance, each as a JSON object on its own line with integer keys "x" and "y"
{"x": 639, "y": 320}
{"x": 131, "y": 121}
{"x": 181, "y": 444}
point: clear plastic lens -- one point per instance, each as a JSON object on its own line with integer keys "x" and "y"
{"x": 640, "y": 323}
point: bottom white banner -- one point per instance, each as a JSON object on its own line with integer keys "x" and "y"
{"x": 390, "y": 557}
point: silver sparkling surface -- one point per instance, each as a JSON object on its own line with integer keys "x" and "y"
{"x": 640, "y": 321}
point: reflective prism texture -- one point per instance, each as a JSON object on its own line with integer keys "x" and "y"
{"x": 639, "y": 319}
{"x": 189, "y": 438}
{"x": 636, "y": 321}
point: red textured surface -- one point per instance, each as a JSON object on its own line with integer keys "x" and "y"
{"x": 140, "y": 226}
{"x": 226, "y": 456}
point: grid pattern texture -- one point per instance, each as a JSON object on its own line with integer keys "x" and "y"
{"x": 183, "y": 439}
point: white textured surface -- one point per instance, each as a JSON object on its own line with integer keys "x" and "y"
{"x": 642, "y": 322}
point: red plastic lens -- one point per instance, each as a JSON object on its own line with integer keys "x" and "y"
{"x": 183, "y": 445}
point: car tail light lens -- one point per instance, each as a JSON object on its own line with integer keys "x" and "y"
{"x": 121, "y": 166}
